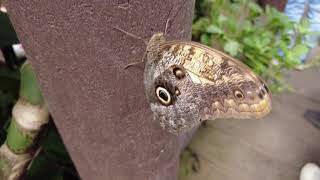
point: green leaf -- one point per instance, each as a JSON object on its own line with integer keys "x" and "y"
{"x": 200, "y": 25}
{"x": 29, "y": 87}
{"x": 214, "y": 29}
{"x": 247, "y": 25}
{"x": 299, "y": 50}
{"x": 303, "y": 27}
{"x": 205, "y": 39}
{"x": 222, "y": 19}
{"x": 232, "y": 47}
{"x": 42, "y": 168}
{"x": 255, "y": 8}
{"x": 53, "y": 162}
{"x": 53, "y": 145}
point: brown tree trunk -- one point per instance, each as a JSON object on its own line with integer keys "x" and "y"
{"x": 99, "y": 108}
{"x": 279, "y": 4}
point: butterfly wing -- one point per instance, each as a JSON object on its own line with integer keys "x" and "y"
{"x": 229, "y": 88}
{"x": 187, "y": 82}
{"x": 173, "y": 98}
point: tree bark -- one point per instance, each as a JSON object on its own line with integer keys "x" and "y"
{"x": 279, "y": 4}
{"x": 99, "y": 108}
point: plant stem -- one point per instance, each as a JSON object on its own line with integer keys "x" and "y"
{"x": 29, "y": 115}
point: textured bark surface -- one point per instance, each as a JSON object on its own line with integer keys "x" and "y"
{"x": 99, "y": 108}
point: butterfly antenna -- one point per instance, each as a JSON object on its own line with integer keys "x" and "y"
{"x": 131, "y": 35}
{"x": 135, "y": 37}
{"x": 174, "y": 17}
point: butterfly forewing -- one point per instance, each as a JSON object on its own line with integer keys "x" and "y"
{"x": 230, "y": 89}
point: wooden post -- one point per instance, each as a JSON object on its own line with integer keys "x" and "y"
{"x": 99, "y": 108}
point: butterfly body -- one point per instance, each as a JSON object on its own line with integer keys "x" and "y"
{"x": 187, "y": 82}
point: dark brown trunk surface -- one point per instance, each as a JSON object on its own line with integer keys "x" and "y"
{"x": 279, "y": 4}
{"x": 99, "y": 108}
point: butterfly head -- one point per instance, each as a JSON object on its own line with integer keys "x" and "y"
{"x": 155, "y": 41}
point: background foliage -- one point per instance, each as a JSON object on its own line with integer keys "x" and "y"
{"x": 253, "y": 35}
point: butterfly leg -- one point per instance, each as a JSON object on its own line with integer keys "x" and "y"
{"x": 136, "y": 63}
{"x": 167, "y": 26}
{"x": 135, "y": 37}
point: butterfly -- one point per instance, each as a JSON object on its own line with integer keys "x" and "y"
{"x": 187, "y": 82}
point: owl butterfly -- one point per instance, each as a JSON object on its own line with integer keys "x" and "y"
{"x": 187, "y": 82}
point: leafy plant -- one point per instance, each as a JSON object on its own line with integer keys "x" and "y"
{"x": 261, "y": 38}
{"x": 53, "y": 161}
{"x": 9, "y": 90}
